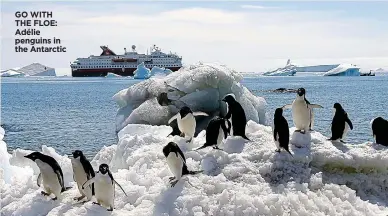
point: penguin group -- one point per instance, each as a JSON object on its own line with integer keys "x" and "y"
{"x": 100, "y": 184}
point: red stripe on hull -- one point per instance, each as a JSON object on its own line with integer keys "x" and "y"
{"x": 101, "y": 72}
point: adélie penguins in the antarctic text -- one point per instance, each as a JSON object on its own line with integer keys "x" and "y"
{"x": 380, "y": 130}
{"x": 82, "y": 171}
{"x": 281, "y": 132}
{"x": 186, "y": 121}
{"x": 217, "y": 129}
{"x": 176, "y": 161}
{"x": 104, "y": 186}
{"x": 51, "y": 174}
{"x": 237, "y": 115}
{"x": 302, "y": 113}
{"x": 340, "y": 124}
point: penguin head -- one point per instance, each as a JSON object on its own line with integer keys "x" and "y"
{"x": 77, "y": 153}
{"x": 184, "y": 111}
{"x": 301, "y": 92}
{"x": 278, "y": 112}
{"x": 337, "y": 106}
{"x": 104, "y": 168}
{"x": 229, "y": 99}
{"x": 169, "y": 148}
{"x": 34, "y": 155}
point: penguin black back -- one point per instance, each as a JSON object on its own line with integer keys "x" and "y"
{"x": 281, "y": 131}
{"x": 86, "y": 166}
{"x": 380, "y": 130}
{"x": 338, "y": 123}
{"x": 172, "y": 147}
{"x": 239, "y": 120}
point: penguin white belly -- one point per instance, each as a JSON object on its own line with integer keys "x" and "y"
{"x": 187, "y": 125}
{"x": 346, "y": 130}
{"x": 104, "y": 190}
{"x": 175, "y": 164}
{"x": 301, "y": 115}
{"x": 50, "y": 179}
{"x": 277, "y": 142}
{"x": 81, "y": 177}
{"x": 220, "y": 136}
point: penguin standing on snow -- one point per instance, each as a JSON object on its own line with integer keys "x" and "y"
{"x": 237, "y": 115}
{"x": 216, "y": 131}
{"x": 380, "y": 130}
{"x": 82, "y": 171}
{"x": 176, "y": 161}
{"x": 340, "y": 124}
{"x": 302, "y": 113}
{"x": 281, "y": 132}
{"x": 186, "y": 121}
{"x": 51, "y": 174}
{"x": 104, "y": 185}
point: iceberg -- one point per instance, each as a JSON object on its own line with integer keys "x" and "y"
{"x": 158, "y": 71}
{"x": 200, "y": 86}
{"x": 11, "y": 73}
{"x": 288, "y": 70}
{"x": 247, "y": 178}
{"x": 141, "y": 72}
{"x": 344, "y": 70}
{"x": 112, "y": 75}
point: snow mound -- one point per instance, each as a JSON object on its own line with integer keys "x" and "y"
{"x": 288, "y": 70}
{"x": 200, "y": 87}
{"x": 344, "y": 70}
{"x": 247, "y": 178}
{"x": 141, "y": 72}
{"x": 159, "y": 72}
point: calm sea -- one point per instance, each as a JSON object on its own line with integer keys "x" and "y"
{"x": 78, "y": 113}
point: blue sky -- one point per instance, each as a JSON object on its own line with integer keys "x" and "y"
{"x": 234, "y": 33}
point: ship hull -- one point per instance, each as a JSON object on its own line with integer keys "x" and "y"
{"x": 101, "y": 72}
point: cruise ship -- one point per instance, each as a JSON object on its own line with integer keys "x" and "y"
{"x": 125, "y": 64}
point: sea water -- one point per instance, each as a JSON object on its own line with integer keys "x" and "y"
{"x": 69, "y": 113}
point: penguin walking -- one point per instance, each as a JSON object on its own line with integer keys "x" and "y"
{"x": 82, "y": 171}
{"x": 281, "y": 132}
{"x": 186, "y": 121}
{"x": 380, "y": 130}
{"x": 216, "y": 131}
{"x": 104, "y": 185}
{"x": 237, "y": 115}
{"x": 340, "y": 124}
{"x": 51, "y": 174}
{"x": 302, "y": 113}
{"x": 176, "y": 161}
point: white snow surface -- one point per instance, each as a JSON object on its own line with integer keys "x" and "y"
{"x": 141, "y": 72}
{"x": 248, "y": 178}
{"x": 200, "y": 86}
{"x": 160, "y": 72}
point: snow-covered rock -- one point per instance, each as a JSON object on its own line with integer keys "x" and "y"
{"x": 200, "y": 86}
{"x": 141, "y": 72}
{"x": 288, "y": 70}
{"x": 158, "y": 71}
{"x": 248, "y": 178}
{"x": 344, "y": 70}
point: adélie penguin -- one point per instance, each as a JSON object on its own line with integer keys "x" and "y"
{"x": 302, "y": 113}
{"x": 82, "y": 171}
{"x": 216, "y": 131}
{"x": 380, "y": 130}
{"x": 176, "y": 161}
{"x": 340, "y": 124}
{"x": 186, "y": 121}
{"x": 51, "y": 174}
{"x": 237, "y": 115}
{"x": 104, "y": 186}
{"x": 281, "y": 132}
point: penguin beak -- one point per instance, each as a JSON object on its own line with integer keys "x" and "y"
{"x": 224, "y": 100}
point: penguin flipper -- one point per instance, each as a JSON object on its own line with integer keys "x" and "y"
{"x": 315, "y": 106}
{"x": 120, "y": 187}
{"x": 88, "y": 182}
{"x": 39, "y": 179}
{"x": 200, "y": 114}
{"x": 60, "y": 179}
{"x": 173, "y": 118}
{"x": 347, "y": 120}
{"x": 287, "y": 106}
{"x": 202, "y": 147}
{"x": 245, "y": 137}
{"x": 289, "y": 152}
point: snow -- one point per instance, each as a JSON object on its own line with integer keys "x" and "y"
{"x": 200, "y": 86}
{"x": 248, "y": 178}
{"x": 158, "y": 71}
{"x": 142, "y": 72}
{"x": 288, "y": 70}
{"x": 344, "y": 70}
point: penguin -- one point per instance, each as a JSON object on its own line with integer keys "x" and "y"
{"x": 237, "y": 115}
{"x": 216, "y": 131}
{"x": 176, "y": 161}
{"x": 281, "y": 132}
{"x": 104, "y": 185}
{"x": 51, "y": 174}
{"x": 302, "y": 113}
{"x": 82, "y": 171}
{"x": 186, "y": 121}
{"x": 380, "y": 130}
{"x": 340, "y": 124}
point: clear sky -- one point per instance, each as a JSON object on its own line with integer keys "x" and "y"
{"x": 247, "y": 36}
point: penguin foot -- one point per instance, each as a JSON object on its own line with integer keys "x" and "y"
{"x": 302, "y": 132}
{"x": 277, "y": 150}
{"x": 79, "y": 198}
{"x": 343, "y": 141}
{"x": 298, "y": 130}
{"x": 44, "y": 193}
{"x": 172, "y": 178}
{"x": 216, "y": 147}
{"x": 110, "y": 209}
{"x": 96, "y": 203}
{"x": 189, "y": 141}
{"x": 173, "y": 183}
{"x": 182, "y": 134}
{"x": 55, "y": 198}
